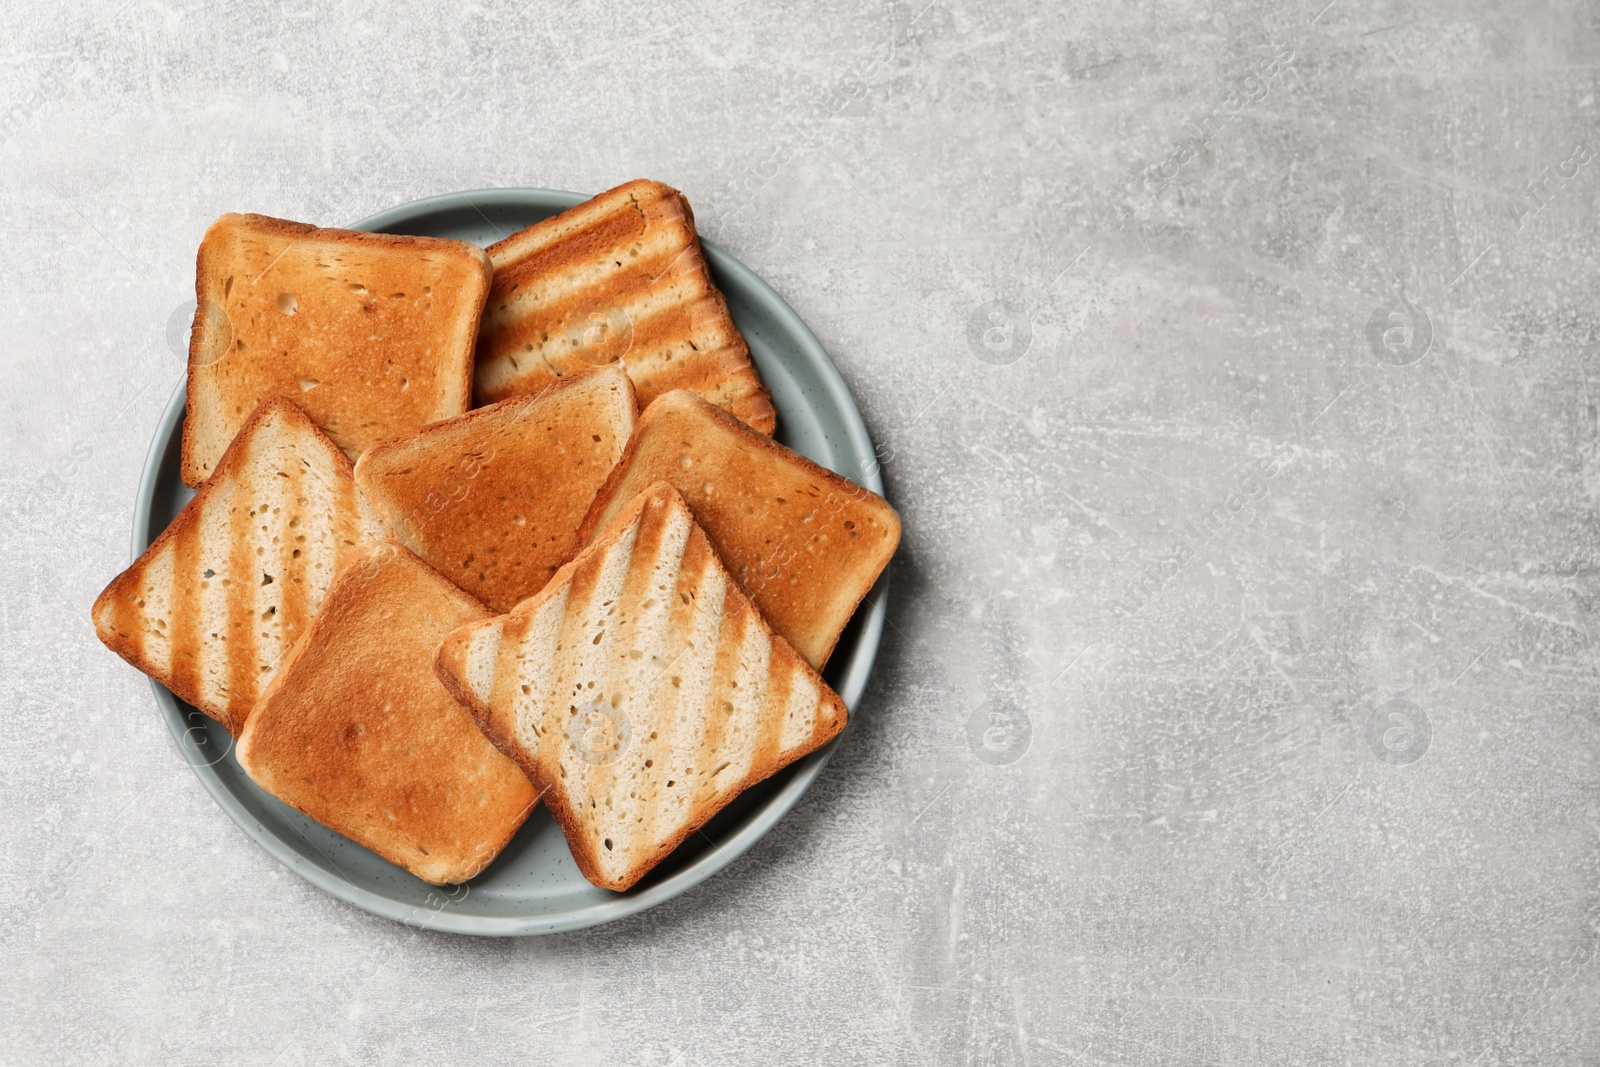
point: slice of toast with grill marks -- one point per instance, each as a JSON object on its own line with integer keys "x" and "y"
{"x": 356, "y": 731}
{"x": 212, "y": 606}
{"x": 619, "y": 277}
{"x": 492, "y": 499}
{"x": 641, "y": 690}
{"x": 372, "y": 334}
{"x": 806, "y": 544}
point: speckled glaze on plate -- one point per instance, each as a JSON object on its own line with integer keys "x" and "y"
{"x": 533, "y": 887}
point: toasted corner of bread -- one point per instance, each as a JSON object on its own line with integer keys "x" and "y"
{"x": 372, "y": 334}
{"x": 641, "y": 690}
{"x": 493, "y": 498}
{"x": 212, "y": 606}
{"x": 464, "y": 662}
{"x": 357, "y": 732}
{"x": 805, "y": 543}
{"x": 619, "y": 277}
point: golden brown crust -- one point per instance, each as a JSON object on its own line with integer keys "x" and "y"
{"x": 619, "y": 277}
{"x": 372, "y": 334}
{"x": 493, "y": 498}
{"x": 806, "y": 544}
{"x": 356, "y": 731}
{"x": 550, "y": 765}
{"x": 120, "y": 618}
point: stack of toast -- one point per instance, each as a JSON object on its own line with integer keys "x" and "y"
{"x": 605, "y": 587}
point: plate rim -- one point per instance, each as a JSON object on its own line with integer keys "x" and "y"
{"x": 619, "y": 906}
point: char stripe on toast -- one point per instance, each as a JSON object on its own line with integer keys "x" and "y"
{"x": 621, "y": 276}
{"x": 492, "y": 499}
{"x": 641, "y": 690}
{"x": 806, "y": 544}
{"x": 357, "y": 732}
{"x": 211, "y": 608}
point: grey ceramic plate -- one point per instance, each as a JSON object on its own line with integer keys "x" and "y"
{"x": 534, "y": 887}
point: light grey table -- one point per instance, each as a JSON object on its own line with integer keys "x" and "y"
{"x": 1231, "y": 369}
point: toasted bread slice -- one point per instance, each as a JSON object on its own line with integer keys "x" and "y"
{"x": 356, "y": 731}
{"x": 492, "y": 499}
{"x": 617, "y": 277}
{"x": 371, "y": 333}
{"x": 640, "y": 689}
{"x": 805, "y": 543}
{"x": 210, "y": 609}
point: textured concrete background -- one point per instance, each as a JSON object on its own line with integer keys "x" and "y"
{"x": 1233, "y": 381}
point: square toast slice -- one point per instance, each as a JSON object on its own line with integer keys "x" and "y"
{"x": 805, "y": 543}
{"x": 213, "y": 605}
{"x": 372, "y": 334}
{"x": 492, "y": 499}
{"x": 619, "y": 277}
{"x": 641, "y": 690}
{"x": 356, "y": 731}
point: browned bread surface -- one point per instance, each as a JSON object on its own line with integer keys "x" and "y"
{"x": 357, "y": 732}
{"x": 640, "y": 690}
{"x": 372, "y": 334}
{"x": 210, "y": 609}
{"x": 805, "y": 543}
{"x": 620, "y": 276}
{"x": 492, "y": 499}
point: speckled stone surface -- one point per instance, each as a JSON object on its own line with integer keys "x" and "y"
{"x": 1231, "y": 365}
